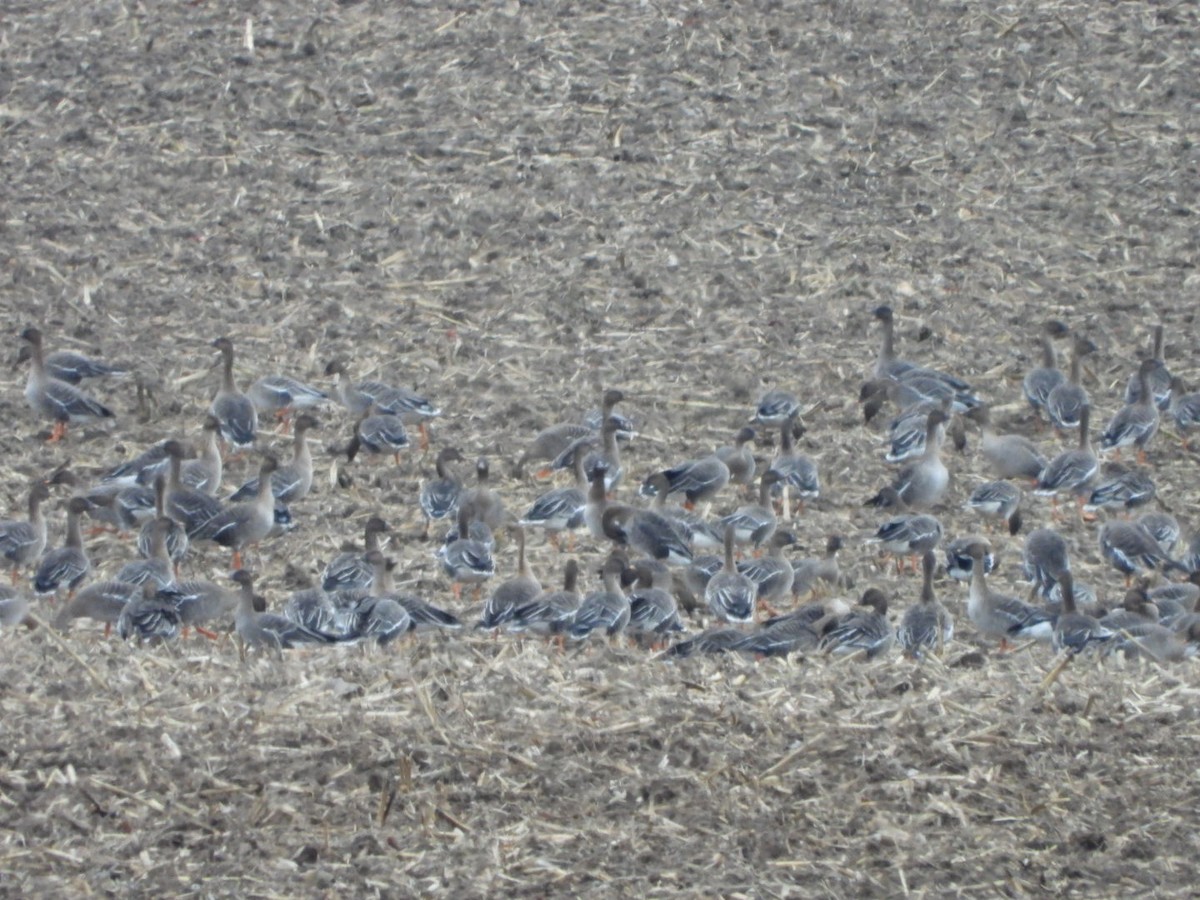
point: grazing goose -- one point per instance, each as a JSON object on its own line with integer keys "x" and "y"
{"x": 151, "y": 617}
{"x": 1044, "y": 558}
{"x": 71, "y": 367}
{"x": 378, "y": 432}
{"x": 1120, "y": 487}
{"x": 62, "y": 403}
{"x": 772, "y": 574}
{"x": 699, "y": 480}
{"x": 282, "y": 395}
{"x": 865, "y": 629}
{"x": 1009, "y": 455}
{"x": 101, "y": 601}
{"x": 721, "y": 639}
{"x": 775, "y": 408}
{"x": 360, "y": 398}
{"x": 754, "y": 523}
{"x": 1185, "y": 409}
{"x": 999, "y": 500}
{"x": 1130, "y": 549}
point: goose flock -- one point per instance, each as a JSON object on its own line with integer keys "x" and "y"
{"x": 692, "y": 558}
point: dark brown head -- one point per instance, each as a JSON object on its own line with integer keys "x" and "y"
{"x": 612, "y": 397}
{"x": 834, "y": 543}
{"x": 269, "y": 464}
{"x": 883, "y": 313}
{"x": 305, "y": 422}
{"x": 876, "y": 599}
{"x": 78, "y": 505}
{"x": 1055, "y": 328}
{"x": 32, "y": 335}
{"x": 224, "y": 344}
{"x": 243, "y": 578}
{"x": 744, "y": 436}
{"x": 977, "y": 550}
{"x": 335, "y": 367}
{"x": 376, "y": 525}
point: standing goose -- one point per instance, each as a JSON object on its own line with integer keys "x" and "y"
{"x": 907, "y": 431}
{"x": 22, "y": 542}
{"x": 772, "y": 574}
{"x": 71, "y": 367}
{"x": 244, "y": 524}
{"x": 230, "y": 407}
{"x": 1075, "y": 631}
{"x": 189, "y": 507}
{"x": 906, "y": 535}
{"x": 511, "y": 594}
{"x": 653, "y": 612}
{"x": 423, "y": 616}
{"x": 924, "y": 483}
{"x": 156, "y": 567}
{"x": 550, "y": 612}
{"x": 754, "y": 523}
{"x": 888, "y": 366}
{"x": 606, "y": 609}
{"x": 603, "y": 453}
{"x": 1072, "y": 470}
{"x": 482, "y": 504}
{"x": 378, "y": 432}
{"x": 647, "y": 531}
{"x": 439, "y": 497}
{"x": 1002, "y": 616}
{"x": 1135, "y": 424}
{"x": 66, "y": 565}
{"x": 467, "y": 555}
{"x": 739, "y": 457}
{"x": 349, "y": 569}
{"x": 731, "y": 595}
{"x": 1160, "y": 376}
{"x": 380, "y": 614}
{"x": 204, "y": 473}
{"x": 62, "y": 403}
{"x": 1185, "y": 409}
{"x": 1041, "y": 380}
{"x": 1065, "y": 404}
{"x": 793, "y": 470}
{"x": 293, "y": 481}
{"x": 928, "y": 624}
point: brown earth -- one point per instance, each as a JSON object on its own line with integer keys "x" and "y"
{"x": 507, "y": 206}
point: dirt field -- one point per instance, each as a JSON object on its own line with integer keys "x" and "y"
{"x": 508, "y": 206}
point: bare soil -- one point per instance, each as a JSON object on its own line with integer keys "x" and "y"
{"x": 508, "y": 206}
